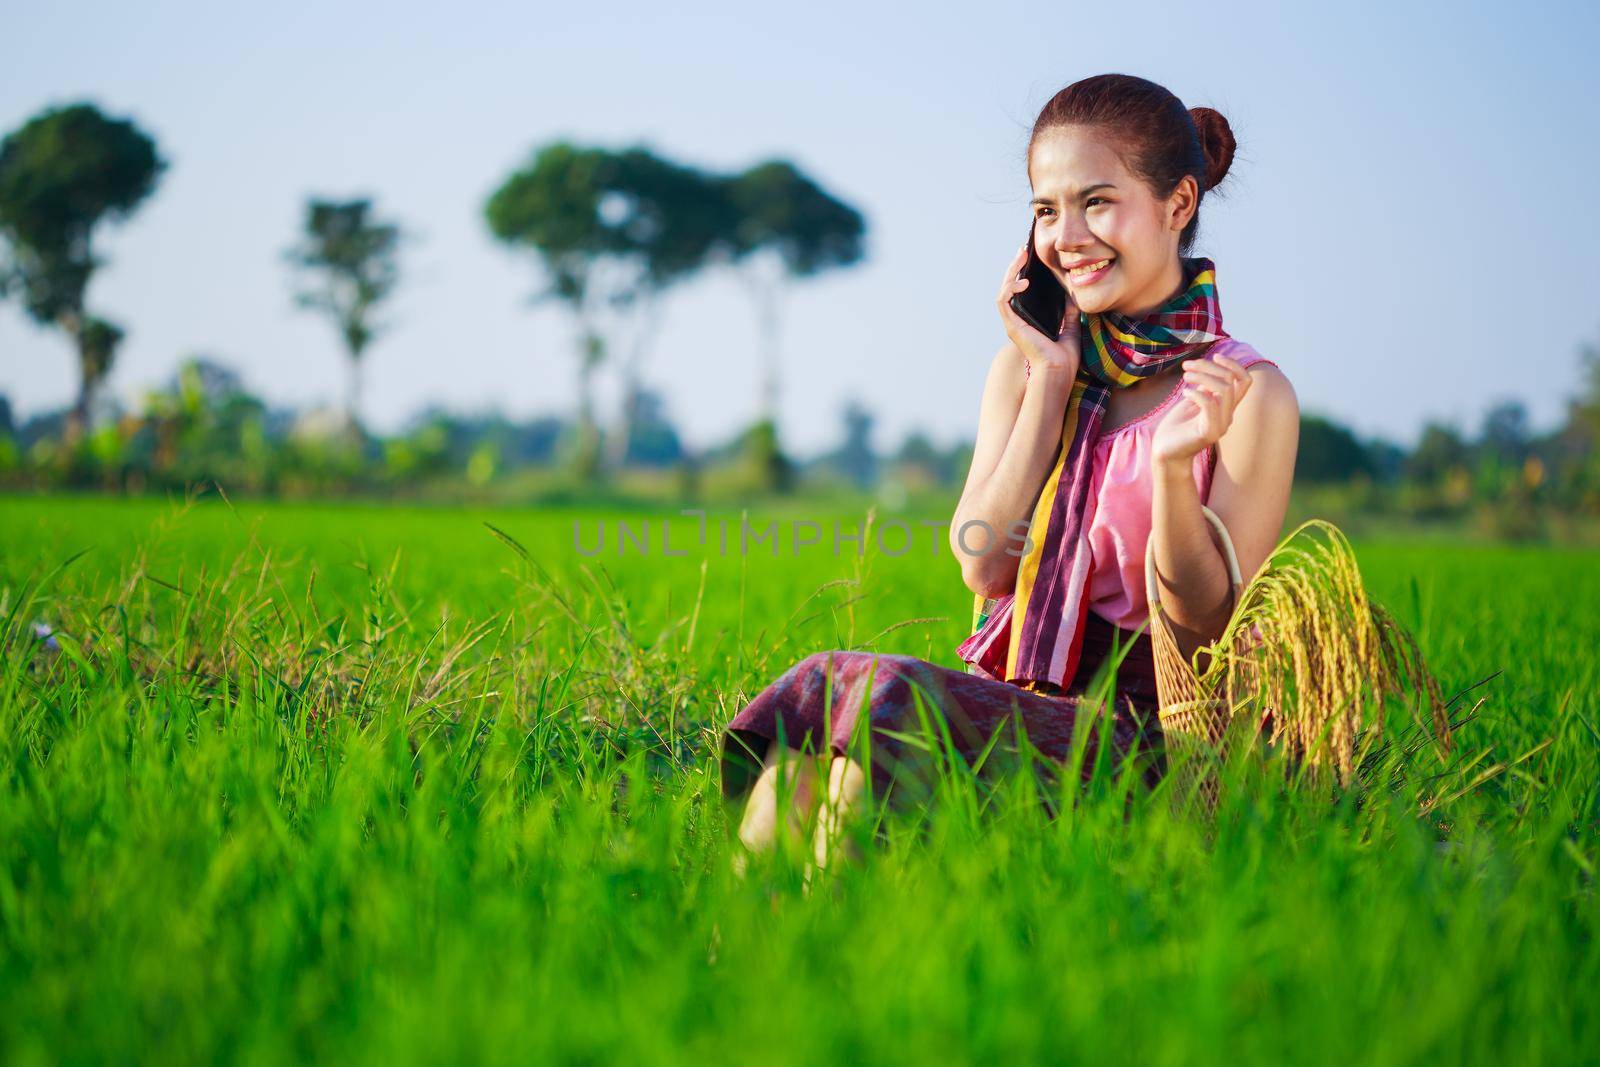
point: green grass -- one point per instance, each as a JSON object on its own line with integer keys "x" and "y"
{"x": 365, "y": 784}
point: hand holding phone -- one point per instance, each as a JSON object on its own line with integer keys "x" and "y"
{"x": 1037, "y": 311}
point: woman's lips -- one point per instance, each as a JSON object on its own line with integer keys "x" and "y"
{"x": 1090, "y": 277}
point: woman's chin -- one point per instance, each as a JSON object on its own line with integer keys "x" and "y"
{"x": 1091, "y": 301}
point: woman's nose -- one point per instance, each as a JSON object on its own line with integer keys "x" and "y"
{"x": 1073, "y": 233}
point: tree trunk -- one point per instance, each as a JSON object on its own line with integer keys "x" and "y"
{"x": 587, "y": 458}
{"x": 617, "y": 447}
{"x": 767, "y": 293}
{"x": 352, "y": 390}
{"x": 352, "y": 394}
{"x": 645, "y": 322}
{"x": 767, "y": 317}
{"x": 78, "y": 418}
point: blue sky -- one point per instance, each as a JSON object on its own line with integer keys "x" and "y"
{"x": 1409, "y": 228}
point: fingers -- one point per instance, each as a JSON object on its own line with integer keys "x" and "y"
{"x": 1213, "y": 381}
{"x": 1210, "y": 390}
{"x": 1232, "y": 370}
{"x": 1018, "y": 327}
{"x": 1214, "y": 387}
{"x": 1010, "y": 285}
{"x": 1240, "y": 376}
{"x": 1210, "y": 405}
{"x": 1069, "y": 314}
{"x": 1234, "y": 376}
{"x": 1061, "y": 347}
{"x": 1213, "y": 376}
{"x": 1230, "y": 380}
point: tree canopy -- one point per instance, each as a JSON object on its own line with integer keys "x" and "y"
{"x": 61, "y": 174}
{"x": 349, "y": 264}
{"x": 781, "y": 209}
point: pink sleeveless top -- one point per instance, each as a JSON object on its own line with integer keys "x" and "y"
{"x": 1121, "y": 486}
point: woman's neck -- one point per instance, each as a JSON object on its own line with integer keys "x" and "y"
{"x": 1170, "y": 284}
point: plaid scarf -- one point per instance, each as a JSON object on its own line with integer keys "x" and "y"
{"x": 1051, "y": 591}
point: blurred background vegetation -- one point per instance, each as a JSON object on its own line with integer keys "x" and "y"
{"x": 609, "y": 235}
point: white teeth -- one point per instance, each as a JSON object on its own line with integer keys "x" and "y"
{"x": 1088, "y": 269}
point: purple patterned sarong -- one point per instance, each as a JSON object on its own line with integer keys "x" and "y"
{"x": 802, "y": 703}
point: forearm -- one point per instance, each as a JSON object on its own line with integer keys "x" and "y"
{"x": 1191, "y": 576}
{"x": 1012, "y": 489}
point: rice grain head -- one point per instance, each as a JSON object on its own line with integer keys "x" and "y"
{"x": 1307, "y": 641}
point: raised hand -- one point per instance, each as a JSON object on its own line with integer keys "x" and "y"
{"x": 1212, "y": 389}
{"x": 1042, "y": 353}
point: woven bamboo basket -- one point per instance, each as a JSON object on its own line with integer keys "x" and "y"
{"x": 1201, "y": 728}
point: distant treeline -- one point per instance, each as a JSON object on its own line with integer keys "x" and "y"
{"x": 611, "y": 233}
{"x": 205, "y": 426}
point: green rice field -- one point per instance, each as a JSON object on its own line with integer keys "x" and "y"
{"x": 349, "y": 784}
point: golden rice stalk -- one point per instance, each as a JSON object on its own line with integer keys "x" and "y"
{"x": 1308, "y": 643}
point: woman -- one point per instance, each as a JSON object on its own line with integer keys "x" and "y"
{"x": 1098, "y": 441}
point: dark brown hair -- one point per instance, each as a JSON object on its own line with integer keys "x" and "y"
{"x": 1158, "y": 138}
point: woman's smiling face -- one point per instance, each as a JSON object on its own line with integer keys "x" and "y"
{"x": 1098, "y": 227}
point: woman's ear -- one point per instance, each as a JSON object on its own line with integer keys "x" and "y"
{"x": 1183, "y": 202}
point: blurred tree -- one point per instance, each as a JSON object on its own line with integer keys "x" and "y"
{"x": 675, "y": 221}
{"x": 349, "y": 264}
{"x": 1505, "y": 435}
{"x": 919, "y": 452}
{"x": 854, "y": 458}
{"x": 614, "y": 231}
{"x": 552, "y": 206}
{"x": 533, "y": 441}
{"x": 513, "y": 443}
{"x": 1439, "y": 452}
{"x": 98, "y": 341}
{"x": 1387, "y": 458}
{"x": 211, "y": 380}
{"x": 422, "y": 451}
{"x": 1328, "y": 453}
{"x": 42, "y": 428}
{"x": 653, "y": 440}
{"x": 9, "y": 280}
{"x": 760, "y": 452}
{"x": 788, "y": 227}
{"x": 1589, "y": 390}
{"x": 196, "y": 420}
{"x": 1572, "y": 451}
{"x": 61, "y": 174}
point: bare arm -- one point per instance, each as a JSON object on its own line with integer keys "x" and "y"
{"x": 1019, "y": 434}
{"x": 1259, "y": 419}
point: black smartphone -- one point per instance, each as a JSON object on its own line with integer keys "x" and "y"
{"x": 1043, "y": 304}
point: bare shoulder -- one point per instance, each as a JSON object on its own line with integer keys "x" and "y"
{"x": 1272, "y": 392}
{"x": 1268, "y": 414}
{"x": 1271, "y": 395}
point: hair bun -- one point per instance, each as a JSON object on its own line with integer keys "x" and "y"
{"x": 1216, "y": 140}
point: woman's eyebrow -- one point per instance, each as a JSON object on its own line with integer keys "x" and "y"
{"x": 1086, "y": 190}
{"x": 1080, "y": 194}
